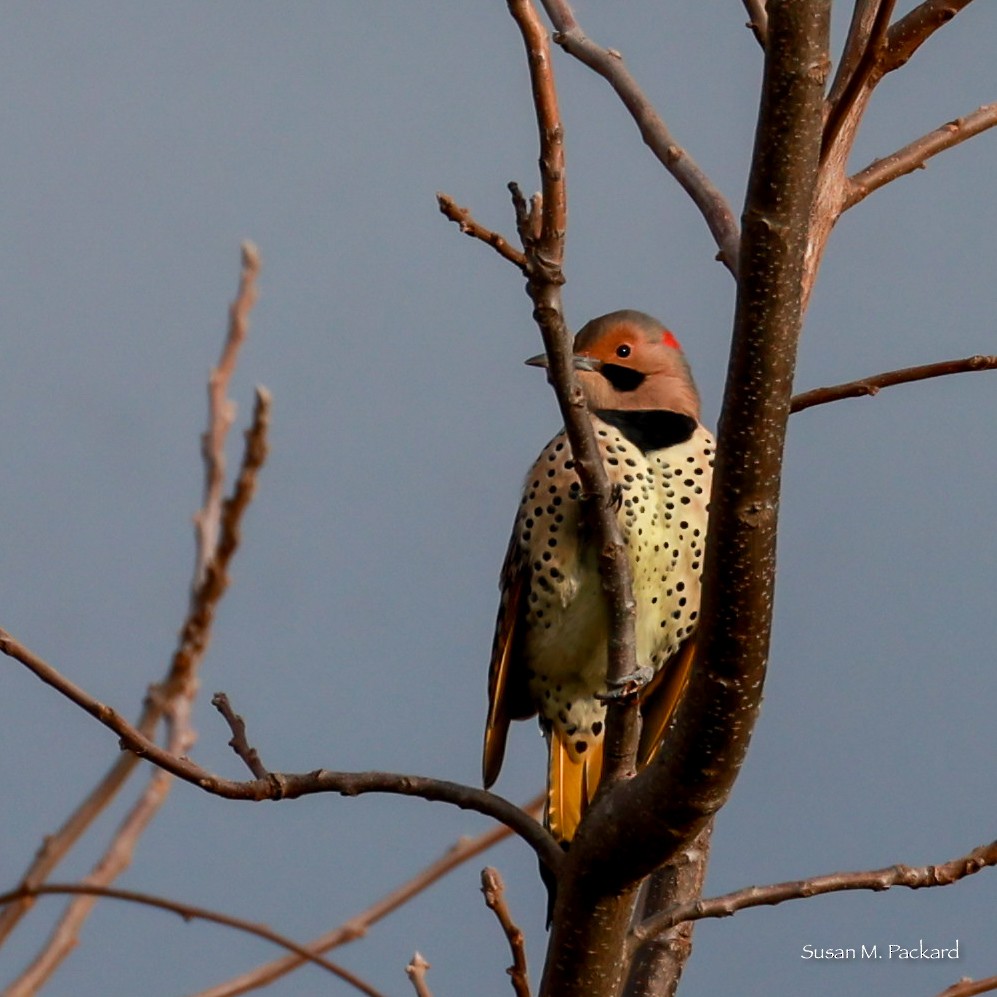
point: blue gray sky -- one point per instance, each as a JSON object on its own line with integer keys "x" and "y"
{"x": 140, "y": 145}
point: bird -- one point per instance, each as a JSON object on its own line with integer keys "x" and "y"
{"x": 549, "y": 655}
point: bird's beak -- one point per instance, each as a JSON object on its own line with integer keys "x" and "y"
{"x": 579, "y": 361}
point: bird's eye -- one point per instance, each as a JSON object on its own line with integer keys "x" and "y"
{"x": 623, "y": 350}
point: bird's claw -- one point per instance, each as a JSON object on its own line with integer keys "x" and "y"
{"x": 628, "y": 685}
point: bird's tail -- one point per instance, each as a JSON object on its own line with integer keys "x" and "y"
{"x": 573, "y": 778}
{"x": 571, "y": 784}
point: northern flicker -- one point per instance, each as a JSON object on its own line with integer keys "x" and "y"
{"x": 550, "y": 649}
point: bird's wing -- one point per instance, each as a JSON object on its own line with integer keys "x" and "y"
{"x": 508, "y": 693}
{"x": 660, "y": 699}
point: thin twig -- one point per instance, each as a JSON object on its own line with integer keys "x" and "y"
{"x": 970, "y": 988}
{"x": 717, "y": 213}
{"x": 912, "y": 30}
{"x": 191, "y": 913}
{"x": 117, "y": 857}
{"x": 553, "y": 217}
{"x": 416, "y": 972}
{"x": 181, "y": 737}
{"x": 56, "y": 846}
{"x": 871, "y": 385}
{"x": 292, "y": 785}
{"x": 759, "y": 20}
{"x": 494, "y": 890}
{"x": 911, "y": 877}
{"x": 239, "y": 742}
{"x": 173, "y": 694}
{"x": 914, "y": 155}
{"x": 467, "y": 224}
{"x": 221, "y": 415}
{"x": 358, "y": 925}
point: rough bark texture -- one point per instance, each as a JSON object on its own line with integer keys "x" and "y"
{"x": 657, "y": 964}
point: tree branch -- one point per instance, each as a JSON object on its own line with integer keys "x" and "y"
{"x": 542, "y": 227}
{"x": 358, "y": 925}
{"x": 656, "y": 966}
{"x": 855, "y": 46}
{"x": 872, "y": 385}
{"x": 908, "y": 34}
{"x": 645, "y": 820}
{"x": 970, "y": 988}
{"x": 239, "y": 742}
{"x": 494, "y": 890}
{"x": 178, "y": 684}
{"x": 872, "y": 19}
{"x": 467, "y": 224}
{"x": 759, "y": 20}
{"x": 416, "y": 972}
{"x": 117, "y": 857}
{"x": 910, "y": 877}
{"x": 670, "y": 800}
{"x": 609, "y": 64}
{"x": 914, "y": 155}
{"x": 280, "y": 785}
{"x": 191, "y": 913}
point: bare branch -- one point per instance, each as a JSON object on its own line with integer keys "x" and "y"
{"x": 866, "y": 59}
{"x": 176, "y": 709}
{"x": 191, "y": 913}
{"x": 684, "y": 786}
{"x": 647, "y": 819}
{"x": 57, "y": 845}
{"x": 866, "y": 40}
{"x": 554, "y": 203}
{"x": 911, "y": 877}
{"x": 416, "y": 971}
{"x": 855, "y": 46}
{"x": 969, "y": 988}
{"x": 239, "y": 743}
{"x": 656, "y": 967}
{"x": 221, "y": 414}
{"x": 289, "y": 785}
{"x": 494, "y": 890}
{"x": 171, "y": 696}
{"x": 544, "y": 254}
{"x": 914, "y": 155}
{"x": 117, "y": 857}
{"x": 714, "y": 208}
{"x": 467, "y": 224}
{"x": 914, "y": 29}
{"x": 358, "y": 925}
{"x": 759, "y": 20}
{"x": 871, "y": 385}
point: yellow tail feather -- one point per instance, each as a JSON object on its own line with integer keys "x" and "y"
{"x": 571, "y": 785}
{"x": 572, "y": 779}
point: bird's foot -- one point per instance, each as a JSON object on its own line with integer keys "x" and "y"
{"x": 628, "y": 685}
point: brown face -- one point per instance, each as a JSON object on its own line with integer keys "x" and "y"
{"x": 626, "y": 345}
{"x": 624, "y": 365}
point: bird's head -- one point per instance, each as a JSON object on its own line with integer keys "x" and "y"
{"x": 628, "y": 360}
